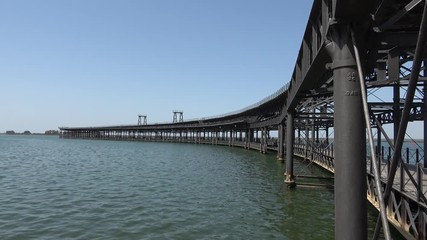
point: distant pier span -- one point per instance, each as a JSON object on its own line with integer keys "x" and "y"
{"x": 361, "y": 66}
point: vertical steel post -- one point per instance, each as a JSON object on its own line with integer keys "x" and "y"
{"x": 349, "y": 138}
{"x": 247, "y": 138}
{"x": 263, "y": 140}
{"x": 317, "y": 132}
{"x": 307, "y": 139}
{"x": 313, "y": 135}
{"x": 313, "y": 127}
{"x": 290, "y": 137}
{"x": 280, "y": 147}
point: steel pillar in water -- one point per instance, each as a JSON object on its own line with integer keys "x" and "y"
{"x": 280, "y": 142}
{"x": 290, "y": 137}
{"x": 350, "y": 140}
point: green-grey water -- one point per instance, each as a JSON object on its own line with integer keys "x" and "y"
{"x": 81, "y": 189}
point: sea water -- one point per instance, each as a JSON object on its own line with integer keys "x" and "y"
{"x": 55, "y": 188}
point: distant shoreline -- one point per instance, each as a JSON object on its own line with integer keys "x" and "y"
{"x": 27, "y": 132}
{"x": 22, "y": 134}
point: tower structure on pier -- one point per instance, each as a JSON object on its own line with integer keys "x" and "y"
{"x": 178, "y": 116}
{"x": 142, "y": 119}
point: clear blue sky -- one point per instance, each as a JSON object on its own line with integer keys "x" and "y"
{"x": 98, "y": 62}
{"x": 103, "y": 62}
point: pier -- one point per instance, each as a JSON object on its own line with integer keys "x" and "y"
{"x": 328, "y": 112}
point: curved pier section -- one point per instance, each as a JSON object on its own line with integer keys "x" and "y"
{"x": 318, "y": 115}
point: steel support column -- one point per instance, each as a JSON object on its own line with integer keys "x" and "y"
{"x": 349, "y": 138}
{"x": 280, "y": 143}
{"x": 262, "y": 142}
{"x": 290, "y": 137}
{"x": 251, "y": 137}
{"x": 247, "y": 138}
{"x": 313, "y": 129}
{"x": 307, "y": 145}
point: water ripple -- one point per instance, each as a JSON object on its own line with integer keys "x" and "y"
{"x": 76, "y": 189}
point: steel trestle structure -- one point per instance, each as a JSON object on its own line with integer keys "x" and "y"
{"x": 361, "y": 65}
